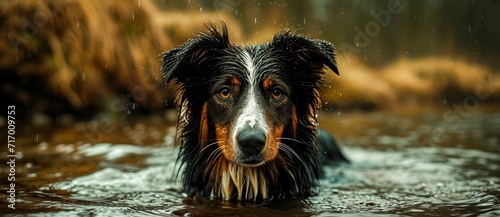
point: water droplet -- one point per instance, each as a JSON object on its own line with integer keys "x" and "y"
{"x": 201, "y": 9}
{"x": 255, "y": 20}
{"x": 439, "y": 185}
{"x": 78, "y": 24}
{"x": 133, "y": 16}
{"x": 139, "y": 3}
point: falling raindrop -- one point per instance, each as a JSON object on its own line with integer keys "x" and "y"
{"x": 201, "y": 9}
{"x": 133, "y": 15}
{"x": 255, "y": 20}
{"x": 139, "y": 3}
{"x": 78, "y": 24}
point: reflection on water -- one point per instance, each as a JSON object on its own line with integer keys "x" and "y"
{"x": 402, "y": 164}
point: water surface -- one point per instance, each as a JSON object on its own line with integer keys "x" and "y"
{"x": 407, "y": 163}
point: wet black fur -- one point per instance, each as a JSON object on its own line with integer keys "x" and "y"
{"x": 198, "y": 63}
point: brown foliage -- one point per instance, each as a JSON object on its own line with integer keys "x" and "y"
{"x": 431, "y": 80}
{"x": 80, "y": 55}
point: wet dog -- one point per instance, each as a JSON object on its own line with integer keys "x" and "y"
{"x": 247, "y": 126}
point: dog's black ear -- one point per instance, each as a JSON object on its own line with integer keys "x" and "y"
{"x": 181, "y": 62}
{"x": 309, "y": 50}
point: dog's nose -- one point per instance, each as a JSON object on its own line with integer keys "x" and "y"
{"x": 251, "y": 141}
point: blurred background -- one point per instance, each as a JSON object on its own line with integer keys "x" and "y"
{"x": 65, "y": 60}
{"x": 416, "y": 108}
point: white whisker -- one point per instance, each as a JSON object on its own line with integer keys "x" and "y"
{"x": 218, "y": 154}
{"x": 290, "y": 139}
{"x": 288, "y": 150}
{"x": 218, "y": 150}
{"x": 213, "y": 143}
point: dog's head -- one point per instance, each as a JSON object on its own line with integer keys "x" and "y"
{"x": 246, "y": 101}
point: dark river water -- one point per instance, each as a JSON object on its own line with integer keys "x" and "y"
{"x": 410, "y": 162}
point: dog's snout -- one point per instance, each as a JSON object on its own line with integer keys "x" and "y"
{"x": 251, "y": 141}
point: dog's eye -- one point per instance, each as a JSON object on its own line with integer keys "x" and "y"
{"x": 225, "y": 93}
{"x": 277, "y": 93}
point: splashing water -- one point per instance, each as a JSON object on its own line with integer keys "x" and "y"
{"x": 393, "y": 171}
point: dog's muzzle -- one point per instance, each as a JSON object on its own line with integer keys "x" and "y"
{"x": 251, "y": 142}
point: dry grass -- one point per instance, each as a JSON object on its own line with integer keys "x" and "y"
{"x": 85, "y": 49}
{"x": 431, "y": 80}
{"x": 83, "y": 54}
